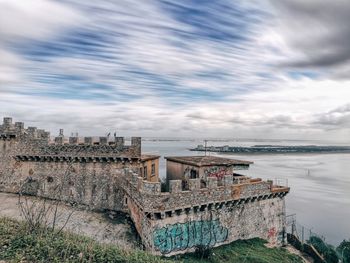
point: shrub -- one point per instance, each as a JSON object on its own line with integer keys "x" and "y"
{"x": 203, "y": 252}
{"x": 326, "y": 250}
{"x": 344, "y": 251}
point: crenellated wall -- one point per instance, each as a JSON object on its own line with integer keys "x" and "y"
{"x": 168, "y": 222}
{"x": 84, "y": 171}
{"x": 215, "y": 207}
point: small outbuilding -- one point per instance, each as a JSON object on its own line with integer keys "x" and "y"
{"x": 191, "y": 167}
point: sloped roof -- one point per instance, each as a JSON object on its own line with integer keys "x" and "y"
{"x": 206, "y": 160}
{"x": 146, "y": 157}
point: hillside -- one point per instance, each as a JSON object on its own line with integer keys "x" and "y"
{"x": 18, "y": 245}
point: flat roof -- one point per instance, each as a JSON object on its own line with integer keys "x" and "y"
{"x": 206, "y": 160}
{"x": 146, "y": 157}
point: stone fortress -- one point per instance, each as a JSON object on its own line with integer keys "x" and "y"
{"x": 206, "y": 203}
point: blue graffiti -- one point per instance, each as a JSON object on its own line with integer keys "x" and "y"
{"x": 187, "y": 235}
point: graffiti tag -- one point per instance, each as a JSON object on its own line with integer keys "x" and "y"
{"x": 187, "y": 235}
{"x": 271, "y": 233}
{"x": 216, "y": 172}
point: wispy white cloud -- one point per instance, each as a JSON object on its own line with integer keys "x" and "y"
{"x": 166, "y": 68}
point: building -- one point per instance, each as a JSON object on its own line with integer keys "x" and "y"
{"x": 88, "y": 169}
{"x": 191, "y": 167}
{"x": 207, "y": 203}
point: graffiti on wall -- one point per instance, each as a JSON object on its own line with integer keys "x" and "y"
{"x": 272, "y": 233}
{"x": 215, "y": 171}
{"x": 274, "y": 236}
{"x": 182, "y": 236}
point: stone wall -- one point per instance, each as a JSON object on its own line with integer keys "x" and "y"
{"x": 209, "y": 228}
{"x": 185, "y": 172}
{"x": 231, "y": 190}
{"x": 182, "y": 171}
{"x": 179, "y": 221}
{"x": 104, "y": 174}
{"x": 85, "y": 171}
{"x": 91, "y": 184}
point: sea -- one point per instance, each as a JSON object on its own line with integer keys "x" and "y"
{"x": 319, "y": 198}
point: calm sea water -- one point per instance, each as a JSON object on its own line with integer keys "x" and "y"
{"x": 320, "y": 183}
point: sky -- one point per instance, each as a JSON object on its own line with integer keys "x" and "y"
{"x": 178, "y": 68}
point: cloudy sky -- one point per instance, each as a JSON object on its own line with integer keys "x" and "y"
{"x": 262, "y": 69}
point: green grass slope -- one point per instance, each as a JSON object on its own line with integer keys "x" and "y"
{"x": 18, "y": 245}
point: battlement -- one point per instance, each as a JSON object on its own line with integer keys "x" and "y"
{"x": 36, "y": 145}
{"x": 104, "y": 140}
{"x": 10, "y": 130}
{"x": 215, "y": 207}
{"x": 86, "y": 152}
{"x": 212, "y": 183}
{"x": 109, "y": 148}
{"x": 232, "y": 191}
{"x": 218, "y": 212}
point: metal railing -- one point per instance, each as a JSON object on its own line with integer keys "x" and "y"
{"x": 279, "y": 181}
{"x": 299, "y": 230}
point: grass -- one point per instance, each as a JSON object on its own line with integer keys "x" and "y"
{"x": 252, "y": 251}
{"x": 19, "y": 245}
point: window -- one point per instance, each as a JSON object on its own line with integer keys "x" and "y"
{"x": 145, "y": 172}
{"x": 193, "y": 174}
{"x": 185, "y": 186}
{"x": 153, "y": 169}
{"x": 49, "y": 179}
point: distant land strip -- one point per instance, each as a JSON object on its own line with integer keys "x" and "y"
{"x": 274, "y": 149}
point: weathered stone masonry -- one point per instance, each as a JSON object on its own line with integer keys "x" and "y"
{"x": 207, "y": 204}
{"x": 179, "y": 221}
{"x": 87, "y": 172}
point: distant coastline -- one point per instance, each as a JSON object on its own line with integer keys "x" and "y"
{"x": 266, "y": 149}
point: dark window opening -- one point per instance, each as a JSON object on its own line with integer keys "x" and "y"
{"x": 153, "y": 169}
{"x": 145, "y": 172}
{"x": 185, "y": 186}
{"x": 193, "y": 174}
{"x": 168, "y": 214}
{"x": 49, "y": 179}
{"x": 157, "y": 215}
{"x": 93, "y": 190}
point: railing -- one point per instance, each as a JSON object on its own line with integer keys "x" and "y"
{"x": 298, "y": 236}
{"x": 279, "y": 182}
{"x": 299, "y": 230}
